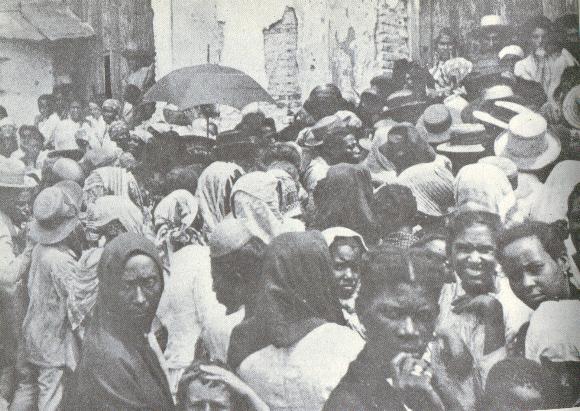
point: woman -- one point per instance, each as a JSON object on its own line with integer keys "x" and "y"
{"x": 382, "y": 170}
{"x": 214, "y": 188}
{"x": 485, "y": 187}
{"x": 8, "y": 139}
{"x": 547, "y": 57}
{"x": 448, "y": 69}
{"x": 118, "y": 368}
{"x": 112, "y": 181}
{"x": 398, "y": 311}
{"x": 107, "y": 218}
{"x": 295, "y": 349}
{"x": 256, "y": 199}
{"x": 344, "y": 199}
{"x": 346, "y": 251}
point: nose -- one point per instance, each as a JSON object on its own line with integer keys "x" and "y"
{"x": 348, "y": 273}
{"x": 528, "y": 280}
{"x": 140, "y": 296}
{"x": 408, "y": 328}
{"x": 474, "y": 256}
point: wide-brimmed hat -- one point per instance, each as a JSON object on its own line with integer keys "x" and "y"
{"x": 56, "y": 213}
{"x": 528, "y": 143}
{"x": 234, "y": 144}
{"x": 467, "y": 144}
{"x": 491, "y": 22}
{"x": 571, "y": 107}
{"x": 13, "y": 174}
{"x": 513, "y": 50}
{"x": 506, "y": 165}
{"x": 404, "y": 107}
{"x": 435, "y": 123}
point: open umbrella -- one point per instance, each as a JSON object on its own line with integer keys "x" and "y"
{"x": 207, "y": 84}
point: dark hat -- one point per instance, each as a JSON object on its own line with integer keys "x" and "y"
{"x": 404, "y": 107}
{"x": 235, "y": 143}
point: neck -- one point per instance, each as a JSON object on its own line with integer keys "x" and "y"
{"x": 381, "y": 356}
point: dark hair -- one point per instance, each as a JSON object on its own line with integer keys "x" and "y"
{"x": 535, "y": 22}
{"x": 282, "y": 152}
{"x": 132, "y": 94}
{"x": 34, "y": 132}
{"x": 431, "y": 233}
{"x": 447, "y": 31}
{"x": 192, "y": 373}
{"x": 566, "y": 21}
{"x": 46, "y": 97}
{"x": 247, "y": 260}
{"x": 463, "y": 220}
{"x": 513, "y": 372}
{"x": 551, "y": 236}
{"x": 354, "y": 242}
{"x": 395, "y": 207}
{"x": 386, "y": 266}
{"x": 573, "y": 195}
{"x": 3, "y": 112}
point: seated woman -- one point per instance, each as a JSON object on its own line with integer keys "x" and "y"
{"x": 398, "y": 306}
{"x": 119, "y": 369}
{"x": 212, "y": 386}
{"x": 296, "y": 347}
{"x": 344, "y": 199}
{"x": 346, "y": 251}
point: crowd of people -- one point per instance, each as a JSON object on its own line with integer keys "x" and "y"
{"x": 415, "y": 249}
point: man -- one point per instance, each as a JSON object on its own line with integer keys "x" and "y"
{"x": 31, "y": 144}
{"x": 332, "y": 140}
{"x": 534, "y": 257}
{"x": 47, "y": 119}
{"x": 491, "y": 33}
{"x": 14, "y": 262}
{"x": 57, "y": 230}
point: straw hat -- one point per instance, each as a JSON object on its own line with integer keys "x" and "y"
{"x": 55, "y": 212}
{"x": 571, "y": 107}
{"x": 528, "y": 142}
{"x": 466, "y": 145}
{"x": 511, "y": 50}
{"x": 13, "y": 174}
{"x": 506, "y": 165}
{"x": 435, "y": 123}
{"x": 491, "y": 22}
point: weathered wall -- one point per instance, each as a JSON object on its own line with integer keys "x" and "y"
{"x": 25, "y": 73}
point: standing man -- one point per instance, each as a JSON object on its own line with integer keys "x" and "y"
{"x": 47, "y": 119}
{"x": 48, "y": 336}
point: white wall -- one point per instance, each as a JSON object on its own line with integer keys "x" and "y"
{"x": 25, "y": 74}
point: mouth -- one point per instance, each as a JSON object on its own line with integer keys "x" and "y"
{"x": 415, "y": 348}
{"x": 536, "y": 298}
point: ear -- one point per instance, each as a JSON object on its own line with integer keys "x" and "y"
{"x": 564, "y": 263}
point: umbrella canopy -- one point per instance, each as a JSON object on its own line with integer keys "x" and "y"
{"x": 208, "y": 84}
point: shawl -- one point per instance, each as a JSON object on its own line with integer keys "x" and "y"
{"x": 118, "y": 369}
{"x": 112, "y": 181}
{"x": 383, "y": 171}
{"x": 344, "y": 199}
{"x": 484, "y": 187}
{"x": 213, "y": 192}
{"x": 296, "y": 298}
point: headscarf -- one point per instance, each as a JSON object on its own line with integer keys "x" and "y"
{"x": 256, "y": 201}
{"x": 344, "y": 199}
{"x": 104, "y": 156}
{"x": 174, "y": 217}
{"x": 112, "y": 181}
{"x": 554, "y": 333}
{"x": 552, "y": 201}
{"x": 114, "y": 104}
{"x": 214, "y": 188}
{"x": 118, "y": 369}
{"x": 83, "y": 288}
{"x": 118, "y": 127}
{"x": 298, "y": 296}
{"x": 381, "y": 168}
{"x": 484, "y": 187}
{"x": 432, "y": 186}
{"x": 332, "y": 233}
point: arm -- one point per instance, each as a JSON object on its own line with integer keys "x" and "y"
{"x": 12, "y": 267}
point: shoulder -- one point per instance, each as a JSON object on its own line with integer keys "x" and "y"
{"x": 344, "y": 397}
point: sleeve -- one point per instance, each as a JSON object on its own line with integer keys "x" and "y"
{"x": 63, "y": 271}
{"x": 341, "y": 398}
{"x": 12, "y": 267}
{"x": 521, "y": 70}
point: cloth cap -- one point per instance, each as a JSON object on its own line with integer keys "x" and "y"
{"x": 228, "y": 236}
{"x": 332, "y": 233}
{"x": 113, "y": 104}
{"x": 432, "y": 186}
{"x": 68, "y": 169}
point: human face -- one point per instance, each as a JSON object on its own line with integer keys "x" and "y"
{"x": 351, "y": 149}
{"x": 207, "y": 397}
{"x": 473, "y": 257}
{"x": 445, "y": 47}
{"x": 346, "y": 268}
{"x": 140, "y": 291}
{"x": 94, "y": 110}
{"x": 537, "y": 38}
{"x": 44, "y": 108}
{"x": 490, "y": 41}
{"x": 436, "y": 249}
{"x": 533, "y": 274}
{"x": 109, "y": 114}
{"x": 574, "y": 222}
{"x": 19, "y": 207}
{"x": 31, "y": 146}
{"x": 75, "y": 111}
{"x": 401, "y": 319}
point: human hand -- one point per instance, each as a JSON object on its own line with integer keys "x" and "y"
{"x": 219, "y": 374}
{"x": 481, "y": 304}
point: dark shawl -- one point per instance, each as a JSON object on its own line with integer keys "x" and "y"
{"x": 118, "y": 368}
{"x": 296, "y": 298}
{"x": 364, "y": 387}
{"x": 343, "y": 199}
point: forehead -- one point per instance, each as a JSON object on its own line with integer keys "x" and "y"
{"x": 216, "y": 393}
{"x": 475, "y": 233}
{"x": 405, "y": 296}
{"x": 346, "y": 252}
{"x": 140, "y": 266}
{"x": 526, "y": 249}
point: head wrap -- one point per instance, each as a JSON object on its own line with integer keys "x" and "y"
{"x": 101, "y": 156}
{"x": 553, "y": 333}
{"x": 298, "y": 296}
{"x": 343, "y": 198}
{"x": 118, "y": 127}
{"x": 331, "y": 234}
{"x": 108, "y": 208}
{"x": 432, "y": 186}
{"x": 331, "y": 128}
{"x": 484, "y": 187}
{"x": 113, "y": 104}
{"x": 228, "y": 236}
{"x": 214, "y": 189}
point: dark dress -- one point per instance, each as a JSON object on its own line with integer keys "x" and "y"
{"x": 364, "y": 387}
